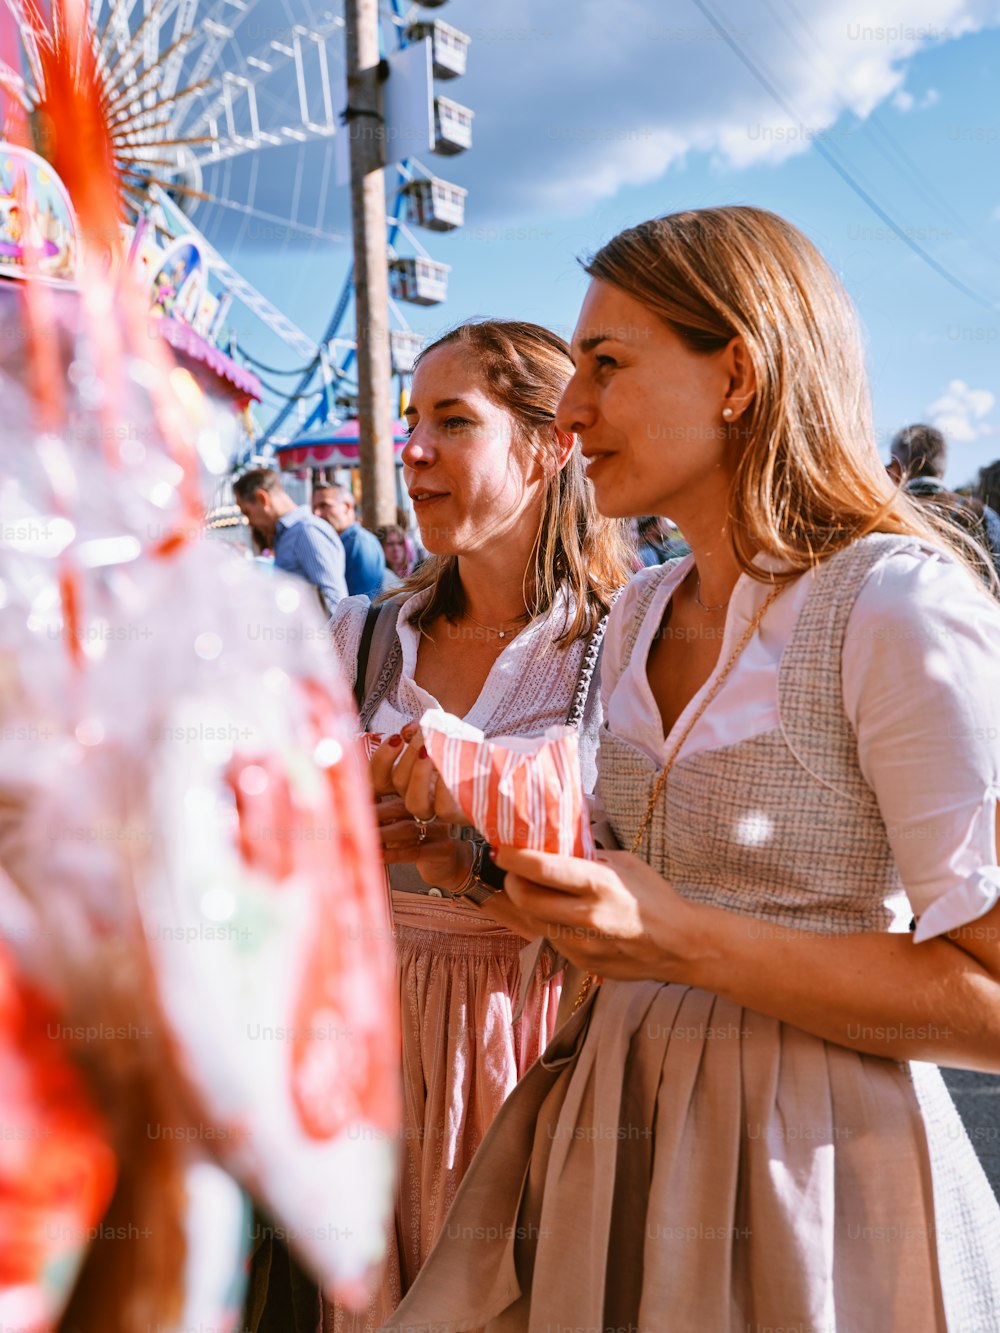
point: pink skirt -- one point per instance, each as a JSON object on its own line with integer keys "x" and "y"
{"x": 463, "y": 1052}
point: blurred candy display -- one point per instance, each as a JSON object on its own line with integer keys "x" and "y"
{"x": 57, "y": 1170}
{"x": 190, "y": 871}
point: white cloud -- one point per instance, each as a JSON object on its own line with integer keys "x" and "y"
{"x": 574, "y": 102}
{"x": 961, "y": 413}
{"x": 904, "y": 101}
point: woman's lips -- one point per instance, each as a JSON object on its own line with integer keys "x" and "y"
{"x": 594, "y": 462}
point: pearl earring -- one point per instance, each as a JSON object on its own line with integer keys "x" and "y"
{"x": 727, "y": 412}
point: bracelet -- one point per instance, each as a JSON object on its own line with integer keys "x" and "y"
{"x": 477, "y": 889}
{"x": 473, "y": 874}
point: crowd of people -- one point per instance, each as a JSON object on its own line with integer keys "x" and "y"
{"x": 371, "y": 563}
{"x": 689, "y": 1084}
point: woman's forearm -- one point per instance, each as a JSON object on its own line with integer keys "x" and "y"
{"x": 877, "y": 993}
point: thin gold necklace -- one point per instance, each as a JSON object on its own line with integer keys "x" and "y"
{"x": 697, "y": 597}
{"x": 500, "y": 633}
{"x": 661, "y": 779}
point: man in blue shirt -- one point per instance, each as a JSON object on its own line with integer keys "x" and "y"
{"x": 302, "y": 543}
{"x": 362, "y": 549}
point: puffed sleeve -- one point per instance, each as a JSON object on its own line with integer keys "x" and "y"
{"x": 921, "y": 675}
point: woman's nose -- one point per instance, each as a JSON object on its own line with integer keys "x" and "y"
{"x": 416, "y": 451}
{"x": 575, "y": 411}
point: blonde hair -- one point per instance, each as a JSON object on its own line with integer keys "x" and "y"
{"x": 808, "y": 479}
{"x": 524, "y": 370}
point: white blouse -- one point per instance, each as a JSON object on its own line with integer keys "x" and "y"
{"x": 529, "y": 687}
{"x": 921, "y": 682}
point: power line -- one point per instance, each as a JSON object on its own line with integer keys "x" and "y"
{"x": 842, "y": 171}
{"x": 890, "y": 147}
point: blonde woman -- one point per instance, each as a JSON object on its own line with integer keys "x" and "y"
{"x": 501, "y": 626}
{"x": 741, "y": 1125}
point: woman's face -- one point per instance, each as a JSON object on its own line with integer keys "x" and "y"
{"x": 648, "y": 411}
{"x": 469, "y": 482}
{"x": 395, "y": 552}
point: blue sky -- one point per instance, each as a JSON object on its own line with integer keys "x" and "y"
{"x": 634, "y": 109}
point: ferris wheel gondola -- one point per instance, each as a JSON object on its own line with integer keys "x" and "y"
{"x": 211, "y": 102}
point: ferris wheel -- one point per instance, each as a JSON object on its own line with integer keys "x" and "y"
{"x": 196, "y": 86}
{"x": 224, "y": 116}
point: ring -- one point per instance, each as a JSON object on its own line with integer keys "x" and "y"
{"x": 423, "y": 825}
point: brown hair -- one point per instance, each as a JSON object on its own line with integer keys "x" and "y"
{"x": 808, "y": 478}
{"x": 920, "y": 451}
{"x": 525, "y": 369}
{"x": 246, "y": 486}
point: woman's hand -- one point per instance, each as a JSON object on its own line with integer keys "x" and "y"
{"x": 873, "y": 991}
{"x": 406, "y": 789}
{"x": 439, "y": 858}
{"x": 614, "y": 916}
{"x": 401, "y": 767}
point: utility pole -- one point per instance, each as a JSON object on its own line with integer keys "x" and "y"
{"x": 371, "y": 277}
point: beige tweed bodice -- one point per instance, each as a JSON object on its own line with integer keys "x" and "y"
{"x": 783, "y": 825}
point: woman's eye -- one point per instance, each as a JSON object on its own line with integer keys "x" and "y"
{"x": 454, "y": 423}
{"x": 605, "y": 362}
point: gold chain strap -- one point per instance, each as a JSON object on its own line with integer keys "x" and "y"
{"x": 661, "y": 779}
{"x": 717, "y": 684}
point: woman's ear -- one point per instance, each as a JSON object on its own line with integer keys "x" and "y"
{"x": 565, "y": 443}
{"x": 742, "y": 378}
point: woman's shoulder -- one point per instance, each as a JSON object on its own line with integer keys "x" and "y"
{"x": 641, "y": 587}
{"x": 917, "y": 586}
{"x": 922, "y": 634}
{"x": 629, "y": 611}
{"x": 350, "y": 613}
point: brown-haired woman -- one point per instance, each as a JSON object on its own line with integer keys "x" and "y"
{"x": 739, "y": 1128}
{"x": 500, "y": 626}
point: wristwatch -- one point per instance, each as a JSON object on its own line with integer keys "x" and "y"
{"x": 484, "y": 878}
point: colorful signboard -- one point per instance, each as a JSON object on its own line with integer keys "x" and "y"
{"x": 180, "y": 282}
{"x": 38, "y": 233}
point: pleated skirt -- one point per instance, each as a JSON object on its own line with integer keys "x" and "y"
{"x": 676, "y": 1163}
{"x": 460, "y": 978}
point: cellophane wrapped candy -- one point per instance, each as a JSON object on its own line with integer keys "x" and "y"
{"x": 190, "y": 873}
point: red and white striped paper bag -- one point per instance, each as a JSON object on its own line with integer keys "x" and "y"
{"x": 518, "y": 792}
